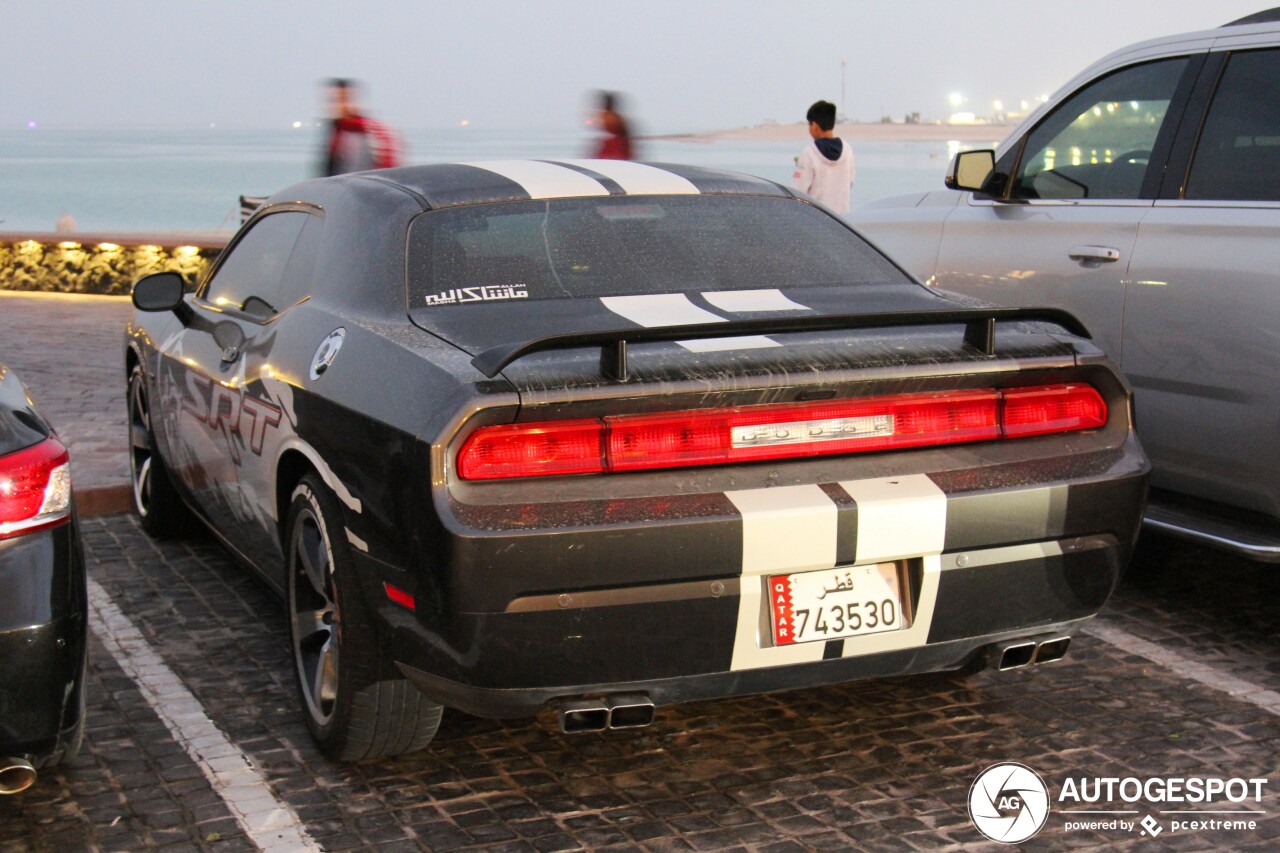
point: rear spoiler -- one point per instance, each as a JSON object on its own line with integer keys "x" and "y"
{"x": 979, "y": 332}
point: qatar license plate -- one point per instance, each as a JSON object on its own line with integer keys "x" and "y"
{"x": 835, "y": 603}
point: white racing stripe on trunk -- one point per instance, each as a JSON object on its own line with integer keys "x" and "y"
{"x": 898, "y": 517}
{"x": 748, "y": 301}
{"x": 784, "y": 529}
{"x": 544, "y": 180}
{"x": 637, "y": 178}
{"x": 270, "y": 824}
{"x": 656, "y": 310}
{"x": 792, "y": 529}
{"x": 659, "y": 310}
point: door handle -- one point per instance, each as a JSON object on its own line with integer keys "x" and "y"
{"x": 1094, "y": 254}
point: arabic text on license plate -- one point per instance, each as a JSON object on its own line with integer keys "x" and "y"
{"x": 835, "y": 603}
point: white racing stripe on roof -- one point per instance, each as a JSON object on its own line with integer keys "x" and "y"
{"x": 747, "y": 301}
{"x": 544, "y": 180}
{"x": 658, "y": 310}
{"x": 637, "y": 178}
{"x": 271, "y": 825}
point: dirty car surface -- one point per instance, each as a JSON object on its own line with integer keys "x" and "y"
{"x": 610, "y": 436}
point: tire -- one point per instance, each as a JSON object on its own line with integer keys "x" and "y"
{"x": 155, "y": 500}
{"x": 350, "y": 713}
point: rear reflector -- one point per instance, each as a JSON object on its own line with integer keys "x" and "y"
{"x": 35, "y": 488}
{"x": 786, "y": 431}
{"x": 399, "y": 596}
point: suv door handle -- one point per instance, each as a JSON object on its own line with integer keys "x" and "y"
{"x": 1094, "y": 254}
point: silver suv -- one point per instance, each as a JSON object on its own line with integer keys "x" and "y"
{"x": 1145, "y": 198}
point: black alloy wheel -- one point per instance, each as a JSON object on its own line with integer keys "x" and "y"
{"x": 155, "y": 499}
{"x": 351, "y": 713}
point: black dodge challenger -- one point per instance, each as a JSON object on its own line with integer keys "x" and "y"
{"x": 608, "y": 436}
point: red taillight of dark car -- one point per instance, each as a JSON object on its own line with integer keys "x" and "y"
{"x": 786, "y": 431}
{"x": 35, "y": 488}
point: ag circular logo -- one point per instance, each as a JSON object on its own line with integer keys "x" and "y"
{"x": 1009, "y": 803}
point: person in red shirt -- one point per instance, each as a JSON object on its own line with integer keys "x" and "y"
{"x": 616, "y": 142}
{"x": 356, "y": 142}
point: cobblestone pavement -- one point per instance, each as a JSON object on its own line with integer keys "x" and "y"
{"x": 69, "y": 352}
{"x": 194, "y": 741}
{"x": 871, "y": 766}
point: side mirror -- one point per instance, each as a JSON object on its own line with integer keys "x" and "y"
{"x": 161, "y": 291}
{"x": 970, "y": 170}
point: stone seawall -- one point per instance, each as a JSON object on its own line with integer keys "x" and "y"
{"x": 101, "y": 263}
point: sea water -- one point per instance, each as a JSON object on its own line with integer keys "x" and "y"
{"x": 191, "y": 179}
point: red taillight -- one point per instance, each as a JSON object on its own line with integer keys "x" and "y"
{"x": 750, "y": 433}
{"x": 1052, "y": 408}
{"x": 808, "y": 429}
{"x": 35, "y": 488}
{"x": 518, "y": 450}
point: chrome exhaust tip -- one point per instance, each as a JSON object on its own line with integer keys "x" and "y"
{"x": 583, "y": 715}
{"x": 1016, "y": 655}
{"x": 630, "y": 711}
{"x": 1052, "y": 649}
{"x": 16, "y": 775}
{"x": 616, "y": 711}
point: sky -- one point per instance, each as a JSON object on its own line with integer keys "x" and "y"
{"x": 684, "y": 65}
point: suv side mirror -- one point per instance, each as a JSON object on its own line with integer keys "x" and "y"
{"x": 161, "y": 291}
{"x": 971, "y": 170}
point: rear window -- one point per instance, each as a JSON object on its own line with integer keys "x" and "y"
{"x": 622, "y": 245}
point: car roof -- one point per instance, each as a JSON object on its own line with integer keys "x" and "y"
{"x": 1263, "y": 17}
{"x": 1259, "y": 30}
{"x": 455, "y": 184}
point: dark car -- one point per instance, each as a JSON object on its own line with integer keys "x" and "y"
{"x": 610, "y": 436}
{"x": 43, "y": 604}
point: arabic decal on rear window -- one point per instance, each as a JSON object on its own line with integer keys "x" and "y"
{"x": 486, "y": 293}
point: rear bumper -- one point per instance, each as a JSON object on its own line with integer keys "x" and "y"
{"x": 41, "y": 692}
{"x": 43, "y": 627}
{"x": 1060, "y": 551}
{"x": 502, "y": 703}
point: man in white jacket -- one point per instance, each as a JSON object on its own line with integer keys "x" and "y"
{"x": 824, "y": 168}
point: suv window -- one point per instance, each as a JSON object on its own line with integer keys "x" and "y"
{"x": 1238, "y": 157}
{"x": 1098, "y": 143}
{"x": 251, "y": 277}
